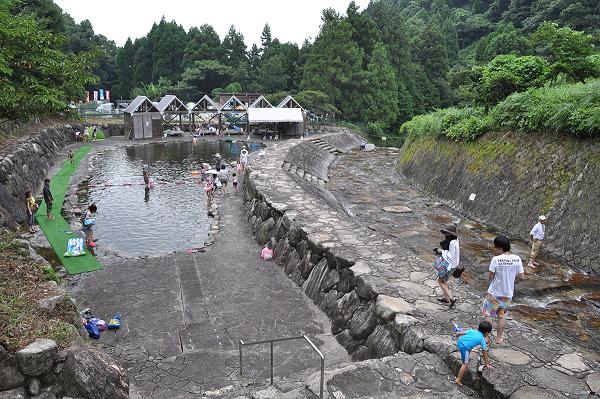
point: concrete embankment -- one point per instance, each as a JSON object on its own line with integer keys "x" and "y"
{"x": 379, "y": 294}
{"x": 516, "y": 178}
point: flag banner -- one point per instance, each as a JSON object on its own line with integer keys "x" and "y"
{"x": 107, "y": 95}
{"x": 95, "y": 95}
{"x": 101, "y": 92}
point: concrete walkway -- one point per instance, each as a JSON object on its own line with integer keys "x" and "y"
{"x": 184, "y": 314}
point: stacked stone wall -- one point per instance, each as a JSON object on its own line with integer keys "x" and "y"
{"x": 377, "y": 295}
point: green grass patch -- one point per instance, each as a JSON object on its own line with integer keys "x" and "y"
{"x": 99, "y": 133}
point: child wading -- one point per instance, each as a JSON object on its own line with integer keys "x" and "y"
{"x": 31, "y": 208}
{"x": 470, "y": 339}
{"x": 48, "y": 198}
{"x": 235, "y": 183}
{"x": 88, "y": 225}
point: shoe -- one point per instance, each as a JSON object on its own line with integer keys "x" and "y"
{"x": 443, "y": 300}
{"x": 452, "y": 302}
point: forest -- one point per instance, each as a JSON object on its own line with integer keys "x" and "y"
{"x": 458, "y": 67}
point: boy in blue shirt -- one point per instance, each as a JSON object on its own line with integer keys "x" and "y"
{"x": 468, "y": 340}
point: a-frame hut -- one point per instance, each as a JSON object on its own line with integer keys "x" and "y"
{"x": 235, "y": 113}
{"x": 289, "y": 102}
{"x": 142, "y": 120}
{"x": 261, "y": 102}
{"x": 172, "y": 110}
{"x": 204, "y": 111}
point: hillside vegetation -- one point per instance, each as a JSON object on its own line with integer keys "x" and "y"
{"x": 378, "y": 67}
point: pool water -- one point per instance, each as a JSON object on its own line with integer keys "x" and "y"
{"x": 171, "y": 216}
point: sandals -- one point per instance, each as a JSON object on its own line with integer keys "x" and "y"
{"x": 443, "y": 300}
{"x": 452, "y": 301}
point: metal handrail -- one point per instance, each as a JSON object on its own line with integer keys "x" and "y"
{"x": 271, "y": 341}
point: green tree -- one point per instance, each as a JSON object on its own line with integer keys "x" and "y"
{"x": 201, "y": 78}
{"x": 168, "y": 50}
{"x": 234, "y": 48}
{"x": 569, "y": 52}
{"x": 154, "y": 91}
{"x": 364, "y": 31}
{"x": 509, "y": 73}
{"x": 233, "y": 87}
{"x": 36, "y": 78}
{"x": 272, "y": 75}
{"x": 203, "y": 44}
{"x": 316, "y": 101}
{"x": 125, "y": 63}
{"x": 265, "y": 39}
{"x": 381, "y": 98}
{"x": 333, "y": 62}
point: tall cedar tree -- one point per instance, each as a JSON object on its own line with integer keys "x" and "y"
{"x": 381, "y": 98}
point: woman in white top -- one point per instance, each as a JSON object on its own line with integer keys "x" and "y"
{"x": 451, "y": 253}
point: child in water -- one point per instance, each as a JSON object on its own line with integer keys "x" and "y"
{"x": 88, "y": 226}
{"x": 235, "y": 183}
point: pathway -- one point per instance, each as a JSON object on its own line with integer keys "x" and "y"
{"x": 184, "y": 314}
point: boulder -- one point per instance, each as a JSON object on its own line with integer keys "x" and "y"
{"x": 10, "y": 376}
{"x": 17, "y": 393}
{"x": 51, "y": 302}
{"x": 593, "y": 381}
{"x": 265, "y": 231}
{"x": 384, "y": 341}
{"x": 35, "y": 387}
{"x": 89, "y": 373}
{"x": 343, "y": 311}
{"x": 387, "y": 307}
{"x": 572, "y": 362}
{"x": 37, "y": 358}
{"x": 363, "y": 322}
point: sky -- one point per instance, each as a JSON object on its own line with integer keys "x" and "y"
{"x": 291, "y": 21}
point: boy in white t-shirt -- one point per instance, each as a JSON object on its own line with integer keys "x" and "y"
{"x": 504, "y": 268}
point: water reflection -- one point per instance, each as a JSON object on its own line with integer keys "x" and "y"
{"x": 134, "y": 220}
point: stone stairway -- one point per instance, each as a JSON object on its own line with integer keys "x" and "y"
{"x": 325, "y": 145}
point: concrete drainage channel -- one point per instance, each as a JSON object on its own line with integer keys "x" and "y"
{"x": 328, "y": 257}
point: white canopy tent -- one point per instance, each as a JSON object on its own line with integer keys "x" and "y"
{"x": 274, "y": 115}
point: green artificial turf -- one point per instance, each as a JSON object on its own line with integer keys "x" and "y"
{"x": 99, "y": 133}
{"x": 57, "y": 230}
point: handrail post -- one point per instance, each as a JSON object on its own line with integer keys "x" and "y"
{"x": 322, "y": 378}
{"x": 241, "y": 364}
{"x": 272, "y": 363}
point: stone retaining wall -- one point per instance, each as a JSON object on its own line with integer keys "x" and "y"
{"x": 516, "y": 178}
{"x": 379, "y": 296}
{"x": 41, "y": 370}
{"x": 23, "y": 166}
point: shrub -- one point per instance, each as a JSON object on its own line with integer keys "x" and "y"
{"x": 568, "y": 109}
{"x": 456, "y": 123}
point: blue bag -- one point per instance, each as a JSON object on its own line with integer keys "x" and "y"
{"x": 92, "y": 329}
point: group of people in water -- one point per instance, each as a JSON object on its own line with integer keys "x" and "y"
{"x": 505, "y": 267}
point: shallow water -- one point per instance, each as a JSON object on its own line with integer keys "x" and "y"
{"x": 172, "y": 215}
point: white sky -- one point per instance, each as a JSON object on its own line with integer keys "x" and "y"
{"x": 290, "y": 20}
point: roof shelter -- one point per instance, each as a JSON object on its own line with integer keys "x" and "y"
{"x": 245, "y": 98}
{"x": 172, "y": 108}
{"x": 261, "y": 102}
{"x": 204, "y": 111}
{"x": 234, "y": 111}
{"x": 142, "y": 119}
{"x": 287, "y": 119}
{"x": 289, "y": 102}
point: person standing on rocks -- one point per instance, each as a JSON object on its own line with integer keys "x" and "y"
{"x": 450, "y": 253}
{"x": 31, "y": 208}
{"x": 505, "y": 267}
{"x": 537, "y": 236}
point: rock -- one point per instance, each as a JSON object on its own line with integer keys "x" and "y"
{"x": 439, "y": 344}
{"x": 397, "y": 209}
{"x": 89, "y": 373}
{"x": 268, "y": 393}
{"x": 37, "y": 358}
{"x": 10, "y": 377}
{"x": 17, "y": 393}
{"x": 265, "y": 231}
{"x": 572, "y": 362}
{"x": 366, "y": 286}
{"x": 363, "y": 322}
{"x": 360, "y": 268}
{"x": 34, "y": 386}
{"x": 387, "y": 307}
{"x": 344, "y": 309}
{"x": 51, "y": 302}
{"x": 384, "y": 341}
{"x": 510, "y": 356}
{"x": 593, "y": 381}
{"x": 529, "y": 392}
{"x": 557, "y": 381}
